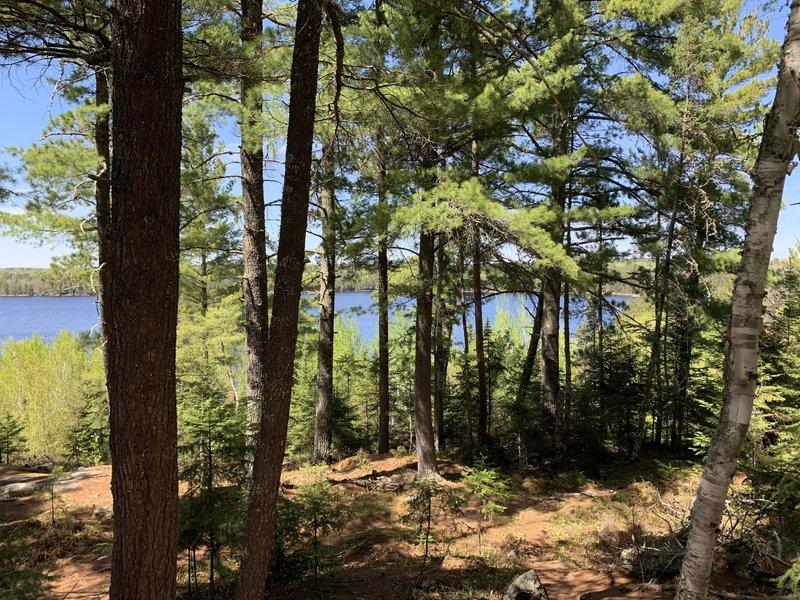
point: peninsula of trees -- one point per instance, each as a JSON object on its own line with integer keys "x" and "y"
{"x": 436, "y": 152}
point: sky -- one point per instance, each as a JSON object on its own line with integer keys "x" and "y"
{"x": 26, "y": 102}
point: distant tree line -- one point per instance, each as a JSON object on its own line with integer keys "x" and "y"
{"x": 42, "y": 282}
{"x": 581, "y": 135}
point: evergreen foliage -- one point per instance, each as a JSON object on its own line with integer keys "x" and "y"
{"x": 561, "y": 151}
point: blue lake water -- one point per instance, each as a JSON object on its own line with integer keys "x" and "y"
{"x": 46, "y": 316}
{"x": 22, "y": 317}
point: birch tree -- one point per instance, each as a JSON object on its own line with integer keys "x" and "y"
{"x": 778, "y": 147}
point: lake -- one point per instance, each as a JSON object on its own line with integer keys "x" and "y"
{"x": 22, "y": 317}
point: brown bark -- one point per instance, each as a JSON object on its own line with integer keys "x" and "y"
{"x": 268, "y": 458}
{"x": 383, "y": 321}
{"x": 383, "y": 273}
{"x": 426, "y": 449}
{"x": 477, "y": 294}
{"x": 566, "y": 403}
{"x": 102, "y": 200}
{"x": 566, "y": 400}
{"x": 662, "y": 273}
{"x": 143, "y": 296}
{"x": 323, "y": 419}
{"x": 530, "y": 356}
{"x": 465, "y": 369}
{"x": 480, "y": 354}
{"x": 551, "y": 375}
{"x": 441, "y": 355}
{"x": 525, "y": 382}
{"x": 254, "y": 240}
{"x": 778, "y": 148}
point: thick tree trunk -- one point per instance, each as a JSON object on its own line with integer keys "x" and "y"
{"x": 268, "y": 458}
{"x": 552, "y": 396}
{"x": 524, "y": 384}
{"x": 685, "y": 341}
{"x": 254, "y": 240}
{"x": 684, "y": 359}
{"x": 480, "y": 354}
{"x": 323, "y": 421}
{"x": 477, "y": 295}
{"x": 600, "y": 337}
{"x": 102, "y": 199}
{"x": 551, "y": 374}
{"x": 466, "y": 376}
{"x": 143, "y": 296}
{"x": 426, "y": 449}
{"x": 778, "y": 148}
{"x": 566, "y": 403}
{"x": 441, "y": 355}
{"x": 383, "y": 270}
{"x": 566, "y": 399}
{"x": 383, "y": 320}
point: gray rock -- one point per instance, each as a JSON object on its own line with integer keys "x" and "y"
{"x": 526, "y": 587}
{"x": 20, "y": 488}
{"x": 102, "y": 512}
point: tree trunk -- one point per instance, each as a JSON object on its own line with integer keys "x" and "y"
{"x": 566, "y": 400}
{"x": 383, "y": 319}
{"x": 778, "y": 147}
{"x": 551, "y": 375}
{"x": 655, "y": 347}
{"x": 567, "y": 395}
{"x": 602, "y": 405}
{"x": 143, "y": 296}
{"x": 524, "y": 385}
{"x": 268, "y": 458}
{"x": 426, "y": 450}
{"x": 477, "y": 295}
{"x": 465, "y": 369}
{"x": 254, "y": 240}
{"x": 323, "y": 422}
{"x": 685, "y": 340}
{"x": 102, "y": 199}
{"x": 480, "y": 354}
{"x": 441, "y": 355}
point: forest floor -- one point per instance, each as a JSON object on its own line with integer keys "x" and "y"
{"x": 567, "y": 528}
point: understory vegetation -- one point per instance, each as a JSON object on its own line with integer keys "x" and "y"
{"x": 440, "y": 154}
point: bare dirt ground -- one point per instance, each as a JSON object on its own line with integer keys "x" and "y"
{"x": 376, "y": 556}
{"x": 82, "y": 504}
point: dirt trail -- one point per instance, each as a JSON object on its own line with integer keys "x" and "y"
{"x": 375, "y": 561}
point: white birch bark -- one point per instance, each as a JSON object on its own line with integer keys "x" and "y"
{"x": 772, "y": 165}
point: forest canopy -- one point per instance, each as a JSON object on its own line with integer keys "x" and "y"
{"x": 221, "y": 171}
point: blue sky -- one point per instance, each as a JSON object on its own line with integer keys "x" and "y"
{"x": 26, "y": 100}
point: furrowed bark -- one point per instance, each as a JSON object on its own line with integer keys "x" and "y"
{"x": 465, "y": 368}
{"x": 143, "y": 296}
{"x": 525, "y": 381}
{"x": 477, "y": 293}
{"x": 254, "y": 240}
{"x": 383, "y": 321}
{"x": 480, "y": 354}
{"x": 268, "y": 458}
{"x": 441, "y": 355}
{"x": 323, "y": 419}
{"x": 426, "y": 449}
{"x": 102, "y": 200}
{"x": 778, "y": 148}
{"x": 551, "y": 375}
{"x": 383, "y": 273}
